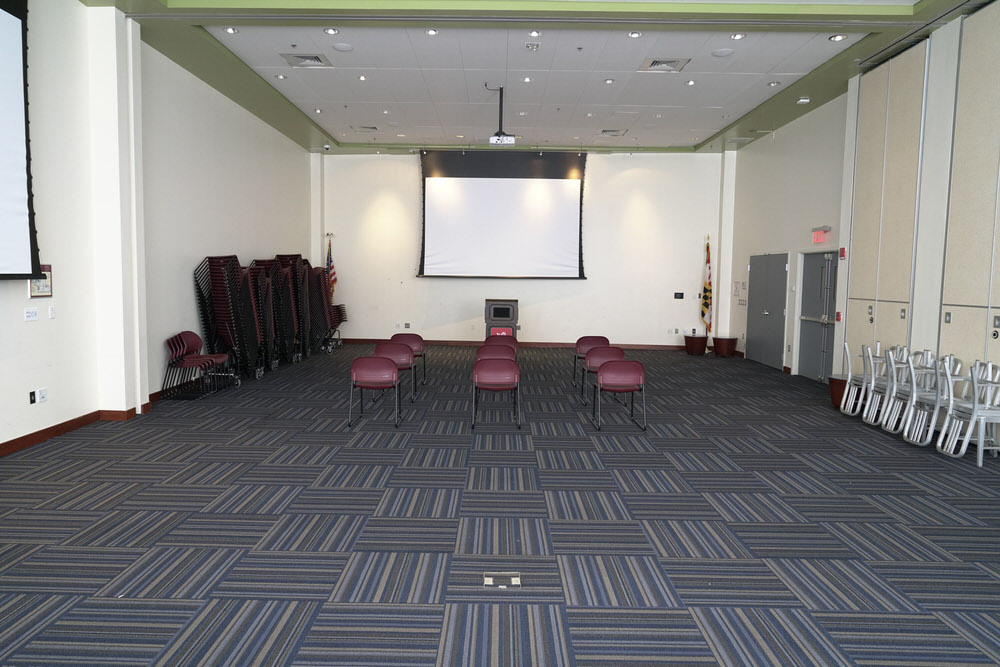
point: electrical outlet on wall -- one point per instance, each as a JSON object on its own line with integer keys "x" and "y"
{"x": 43, "y": 394}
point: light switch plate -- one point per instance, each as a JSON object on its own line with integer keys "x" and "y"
{"x": 947, "y": 317}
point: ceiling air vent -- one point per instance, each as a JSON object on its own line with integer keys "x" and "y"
{"x": 739, "y": 141}
{"x": 663, "y": 64}
{"x": 364, "y": 128}
{"x": 613, "y": 133}
{"x": 306, "y": 60}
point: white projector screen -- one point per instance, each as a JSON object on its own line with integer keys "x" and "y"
{"x": 18, "y": 251}
{"x": 504, "y": 227}
{"x": 502, "y": 215}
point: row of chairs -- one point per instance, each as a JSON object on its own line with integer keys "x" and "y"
{"x": 496, "y": 369}
{"x": 918, "y": 395}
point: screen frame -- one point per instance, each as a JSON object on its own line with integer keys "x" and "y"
{"x": 19, "y": 10}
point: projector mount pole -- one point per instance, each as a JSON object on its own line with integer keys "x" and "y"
{"x": 499, "y": 132}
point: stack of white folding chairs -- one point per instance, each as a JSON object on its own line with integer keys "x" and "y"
{"x": 916, "y": 395}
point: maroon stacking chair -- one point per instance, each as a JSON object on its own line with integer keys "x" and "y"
{"x": 509, "y": 341}
{"x": 496, "y": 352}
{"x": 402, "y": 355}
{"x": 416, "y": 343}
{"x": 620, "y": 377}
{"x": 583, "y": 345}
{"x": 593, "y": 360}
{"x": 185, "y": 362}
{"x": 496, "y": 375}
{"x": 377, "y": 373}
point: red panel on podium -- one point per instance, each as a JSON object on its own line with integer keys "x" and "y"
{"x": 501, "y": 331}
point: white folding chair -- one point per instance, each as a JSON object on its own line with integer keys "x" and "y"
{"x": 856, "y": 385}
{"x": 927, "y": 400}
{"x": 878, "y": 383}
{"x": 904, "y": 377}
{"x": 971, "y": 404}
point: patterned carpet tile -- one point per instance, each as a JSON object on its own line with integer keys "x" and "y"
{"x": 307, "y": 456}
{"x": 800, "y": 483}
{"x": 749, "y": 636}
{"x": 819, "y": 509}
{"x": 502, "y": 478}
{"x": 727, "y": 583}
{"x": 420, "y": 503}
{"x": 280, "y": 575}
{"x": 944, "y": 586}
{"x": 27, "y": 495}
{"x": 568, "y": 459}
{"x": 540, "y": 580}
{"x": 898, "y": 638}
{"x": 524, "y": 458}
{"x": 280, "y": 474}
{"x": 435, "y": 457}
{"x": 622, "y": 636}
{"x": 504, "y": 634}
{"x": 383, "y": 635}
{"x": 954, "y": 484}
{"x": 790, "y": 540}
{"x": 586, "y": 506}
{"x": 693, "y": 539}
{"x": 887, "y": 542}
{"x": 266, "y": 632}
{"x": 380, "y": 440}
{"x": 502, "y": 442}
{"x": 572, "y": 480}
{"x": 841, "y": 585}
{"x": 392, "y": 534}
{"x": 42, "y": 526}
{"x": 392, "y": 578}
{"x": 214, "y": 473}
{"x": 219, "y": 530}
{"x": 605, "y": 537}
{"x": 23, "y": 615}
{"x": 527, "y": 504}
{"x": 172, "y": 573}
{"x": 751, "y": 507}
{"x": 336, "y": 501}
{"x": 137, "y": 471}
{"x": 658, "y": 506}
{"x": 747, "y": 445}
{"x": 438, "y": 478}
{"x": 313, "y": 533}
{"x": 923, "y": 511}
{"x": 726, "y": 482}
{"x": 709, "y": 462}
{"x": 655, "y": 481}
{"x": 867, "y": 484}
{"x": 616, "y": 581}
{"x": 504, "y": 536}
{"x": 142, "y": 528}
{"x": 349, "y": 456}
{"x": 106, "y": 632}
{"x": 354, "y": 476}
{"x": 63, "y": 472}
{"x": 170, "y": 497}
{"x": 981, "y": 629}
{"x": 61, "y": 570}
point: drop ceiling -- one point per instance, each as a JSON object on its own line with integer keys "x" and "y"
{"x": 373, "y": 76}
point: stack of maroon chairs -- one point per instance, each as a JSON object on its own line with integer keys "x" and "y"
{"x": 262, "y": 282}
{"x": 250, "y": 317}
{"x": 286, "y": 321}
{"x": 321, "y": 320}
{"x": 300, "y": 290}
{"x": 190, "y": 373}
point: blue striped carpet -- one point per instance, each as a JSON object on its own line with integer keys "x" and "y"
{"x": 751, "y": 524}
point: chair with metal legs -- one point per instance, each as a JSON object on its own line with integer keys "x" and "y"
{"x": 496, "y": 375}
{"x": 620, "y": 377}
{"x": 595, "y": 357}
{"x": 583, "y": 345}
{"x": 376, "y": 373}
{"x": 416, "y": 343}
{"x": 402, "y": 355}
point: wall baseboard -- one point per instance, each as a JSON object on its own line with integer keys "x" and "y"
{"x": 786, "y": 370}
{"x": 26, "y": 441}
{"x": 116, "y": 415}
{"x": 476, "y": 343}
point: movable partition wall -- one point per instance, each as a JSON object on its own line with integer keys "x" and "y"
{"x": 885, "y": 200}
{"x": 970, "y": 308}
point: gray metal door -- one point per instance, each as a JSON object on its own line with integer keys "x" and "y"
{"x": 766, "y": 309}
{"x": 819, "y": 280}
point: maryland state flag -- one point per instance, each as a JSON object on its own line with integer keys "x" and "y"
{"x": 330, "y": 271}
{"x": 706, "y": 291}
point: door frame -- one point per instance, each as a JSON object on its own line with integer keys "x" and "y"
{"x": 835, "y": 352}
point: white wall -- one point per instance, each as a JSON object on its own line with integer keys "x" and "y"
{"x": 786, "y": 184}
{"x": 54, "y": 353}
{"x": 645, "y": 219}
{"x": 217, "y": 181}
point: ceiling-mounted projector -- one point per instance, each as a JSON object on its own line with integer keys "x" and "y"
{"x": 500, "y": 138}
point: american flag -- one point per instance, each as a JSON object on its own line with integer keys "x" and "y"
{"x": 706, "y": 292}
{"x": 330, "y": 271}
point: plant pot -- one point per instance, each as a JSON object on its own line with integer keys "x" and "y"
{"x": 695, "y": 344}
{"x": 724, "y": 347}
{"x": 837, "y": 387}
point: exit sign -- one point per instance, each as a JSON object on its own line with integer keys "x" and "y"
{"x": 819, "y": 236}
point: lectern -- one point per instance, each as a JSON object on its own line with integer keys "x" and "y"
{"x": 501, "y": 317}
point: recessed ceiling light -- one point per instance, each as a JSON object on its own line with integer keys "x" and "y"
{"x": 738, "y": 35}
{"x": 460, "y": 136}
{"x": 590, "y": 115}
{"x": 400, "y": 135}
{"x": 280, "y": 77}
{"x": 723, "y": 53}
{"x": 343, "y": 47}
{"x": 385, "y": 111}
{"x": 330, "y": 31}
{"x": 837, "y": 38}
{"x": 803, "y": 100}
{"x": 689, "y": 82}
{"x": 609, "y": 81}
{"x": 318, "y": 110}
{"x": 774, "y": 84}
{"x": 526, "y": 79}
{"x": 231, "y": 30}
{"x": 431, "y": 31}
{"x": 534, "y": 33}
{"x": 659, "y": 115}
{"x": 635, "y": 34}
{"x": 522, "y": 113}
{"x": 362, "y": 78}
